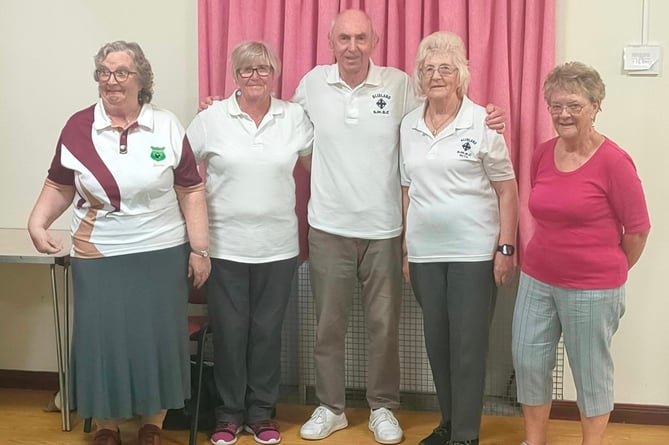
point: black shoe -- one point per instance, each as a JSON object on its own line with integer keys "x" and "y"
{"x": 440, "y": 436}
{"x": 463, "y": 442}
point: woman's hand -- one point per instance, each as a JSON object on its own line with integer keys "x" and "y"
{"x": 192, "y": 203}
{"x": 53, "y": 200}
{"x": 44, "y": 242}
{"x": 503, "y": 268}
{"x": 199, "y": 268}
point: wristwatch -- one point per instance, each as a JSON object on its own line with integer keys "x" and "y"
{"x": 506, "y": 249}
{"x": 204, "y": 253}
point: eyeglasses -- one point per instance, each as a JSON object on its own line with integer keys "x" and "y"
{"x": 262, "y": 70}
{"x": 444, "y": 70}
{"x": 572, "y": 109}
{"x": 120, "y": 75}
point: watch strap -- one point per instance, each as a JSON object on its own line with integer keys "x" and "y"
{"x": 506, "y": 249}
{"x": 202, "y": 253}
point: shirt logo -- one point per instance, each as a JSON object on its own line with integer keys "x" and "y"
{"x": 158, "y": 153}
{"x": 465, "y": 150}
{"x": 381, "y": 103}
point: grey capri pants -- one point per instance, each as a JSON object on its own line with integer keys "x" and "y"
{"x": 587, "y": 319}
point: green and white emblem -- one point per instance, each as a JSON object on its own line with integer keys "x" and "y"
{"x": 158, "y": 153}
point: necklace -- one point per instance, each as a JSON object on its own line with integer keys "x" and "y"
{"x": 435, "y": 128}
{"x": 444, "y": 122}
{"x": 130, "y": 119}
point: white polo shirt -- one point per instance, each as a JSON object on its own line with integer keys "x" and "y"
{"x": 125, "y": 200}
{"x": 355, "y": 189}
{"x": 453, "y": 210}
{"x": 250, "y": 184}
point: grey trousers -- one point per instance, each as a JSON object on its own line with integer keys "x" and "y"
{"x": 587, "y": 319}
{"x": 247, "y": 305}
{"x": 337, "y": 263}
{"x": 456, "y": 303}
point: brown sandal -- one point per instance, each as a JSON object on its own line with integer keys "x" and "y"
{"x": 107, "y": 437}
{"x": 149, "y": 435}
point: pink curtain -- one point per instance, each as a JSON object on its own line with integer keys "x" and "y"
{"x": 510, "y": 48}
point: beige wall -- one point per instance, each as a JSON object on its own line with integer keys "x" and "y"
{"x": 46, "y": 65}
{"x": 46, "y": 74}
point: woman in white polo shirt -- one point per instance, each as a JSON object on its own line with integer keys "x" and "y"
{"x": 460, "y": 204}
{"x": 250, "y": 143}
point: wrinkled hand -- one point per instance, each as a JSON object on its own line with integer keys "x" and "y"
{"x": 199, "y": 268}
{"x": 496, "y": 118}
{"x": 503, "y": 268}
{"x": 44, "y": 242}
{"x": 207, "y": 102}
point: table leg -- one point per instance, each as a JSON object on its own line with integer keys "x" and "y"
{"x": 66, "y": 361}
{"x": 62, "y": 377}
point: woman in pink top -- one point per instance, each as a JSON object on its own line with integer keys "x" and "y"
{"x": 591, "y": 227}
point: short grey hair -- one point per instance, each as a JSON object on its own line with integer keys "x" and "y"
{"x": 253, "y": 53}
{"x": 142, "y": 65}
{"x": 575, "y": 78}
{"x": 442, "y": 42}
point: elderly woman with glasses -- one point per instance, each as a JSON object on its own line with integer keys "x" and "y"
{"x": 137, "y": 202}
{"x": 250, "y": 143}
{"x": 591, "y": 228}
{"x": 460, "y": 210}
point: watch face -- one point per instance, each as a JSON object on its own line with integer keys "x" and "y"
{"x": 506, "y": 249}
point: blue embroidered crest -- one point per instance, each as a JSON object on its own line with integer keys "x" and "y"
{"x": 465, "y": 150}
{"x": 382, "y": 102}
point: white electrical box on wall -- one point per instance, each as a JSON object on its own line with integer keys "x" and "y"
{"x": 642, "y": 60}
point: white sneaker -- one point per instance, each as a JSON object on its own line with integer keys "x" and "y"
{"x": 385, "y": 426}
{"x": 322, "y": 423}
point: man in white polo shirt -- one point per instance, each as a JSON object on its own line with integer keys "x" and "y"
{"x": 355, "y": 220}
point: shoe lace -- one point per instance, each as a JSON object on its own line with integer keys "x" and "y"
{"x": 383, "y": 415}
{"x": 319, "y": 414}
{"x": 226, "y": 426}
